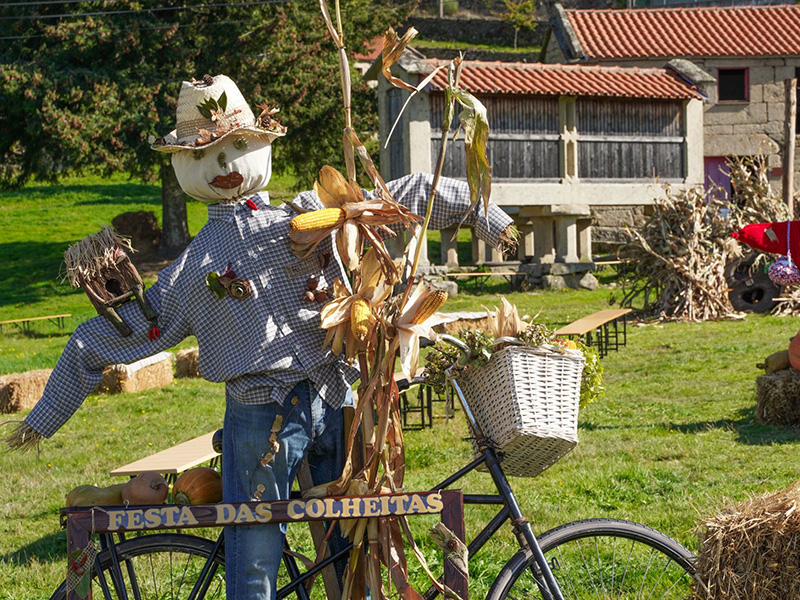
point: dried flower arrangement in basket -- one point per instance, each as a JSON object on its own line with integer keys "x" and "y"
{"x": 524, "y": 387}
{"x": 506, "y": 322}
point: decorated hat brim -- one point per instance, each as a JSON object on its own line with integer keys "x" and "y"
{"x": 170, "y": 141}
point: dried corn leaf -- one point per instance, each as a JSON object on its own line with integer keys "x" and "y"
{"x": 476, "y": 136}
{"x": 393, "y": 48}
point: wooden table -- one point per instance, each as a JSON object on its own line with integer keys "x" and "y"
{"x": 175, "y": 460}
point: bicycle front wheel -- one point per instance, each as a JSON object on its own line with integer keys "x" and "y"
{"x": 162, "y": 566}
{"x": 602, "y": 559}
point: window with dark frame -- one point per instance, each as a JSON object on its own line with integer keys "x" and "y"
{"x": 733, "y": 85}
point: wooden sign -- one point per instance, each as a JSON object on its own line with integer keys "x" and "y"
{"x": 83, "y": 522}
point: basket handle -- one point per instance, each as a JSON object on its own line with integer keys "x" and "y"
{"x": 466, "y": 354}
{"x": 509, "y": 340}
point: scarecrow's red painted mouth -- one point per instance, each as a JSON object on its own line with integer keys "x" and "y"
{"x": 227, "y": 182}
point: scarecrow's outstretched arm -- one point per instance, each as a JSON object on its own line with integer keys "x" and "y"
{"x": 452, "y": 201}
{"x": 97, "y": 344}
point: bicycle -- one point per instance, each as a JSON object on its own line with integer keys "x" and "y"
{"x": 593, "y": 558}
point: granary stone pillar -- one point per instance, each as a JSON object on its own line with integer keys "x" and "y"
{"x": 418, "y": 134}
{"x": 423, "y": 255}
{"x": 449, "y": 249}
{"x": 396, "y": 245}
{"x": 496, "y": 255}
{"x": 567, "y": 239}
{"x": 585, "y": 239}
{"x": 543, "y": 242}
{"x": 478, "y": 250}
{"x": 525, "y": 246}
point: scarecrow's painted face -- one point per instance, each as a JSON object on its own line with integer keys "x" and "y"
{"x": 235, "y": 167}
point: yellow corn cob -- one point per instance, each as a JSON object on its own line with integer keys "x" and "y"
{"x": 429, "y": 306}
{"x": 359, "y": 318}
{"x": 318, "y": 219}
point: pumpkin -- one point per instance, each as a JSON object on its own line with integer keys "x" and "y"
{"x": 145, "y": 488}
{"x": 201, "y": 485}
{"x": 794, "y": 352}
{"x": 90, "y": 495}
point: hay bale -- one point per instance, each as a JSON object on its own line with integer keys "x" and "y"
{"x": 751, "y": 551}
{"x": 20, "y": 391}
{"x": 471, "y": 321}
{"x": 778, "y": 398}
{"x": 186, "y": 363}
{"x": 152, "y": 372}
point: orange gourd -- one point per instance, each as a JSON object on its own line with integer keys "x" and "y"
{"x": 794, "y": 352}
{"x": 201, "y": 485}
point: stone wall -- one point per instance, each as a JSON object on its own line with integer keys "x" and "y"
{"x": 756, "y": 126}
{"x": 477, "y": 31}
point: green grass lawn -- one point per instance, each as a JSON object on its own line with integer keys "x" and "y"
{"x": 673, "y": 440}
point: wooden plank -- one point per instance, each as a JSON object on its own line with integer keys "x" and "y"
{"x": 173, "y": 460}
{"x": 170, "y": 516}
{"x": 590, "y": 323}
{"x": 318, "y": 530}
{"x": 453, "y": 519}
{"x": 34, "y": 319}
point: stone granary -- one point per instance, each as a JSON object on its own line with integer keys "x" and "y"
{"x": 739, "y": 55}
{"x": 565, "y": 141}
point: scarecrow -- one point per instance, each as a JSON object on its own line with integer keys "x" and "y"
{"x": 244, "y": 294}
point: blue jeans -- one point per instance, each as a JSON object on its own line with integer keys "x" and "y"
{"x": 253, "y": 552}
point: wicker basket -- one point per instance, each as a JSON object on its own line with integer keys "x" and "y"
{"x": 526, "y": 402}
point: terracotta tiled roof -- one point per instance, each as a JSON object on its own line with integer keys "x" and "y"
{"x": 372, "y": 50}
{"x": 570, "y": 80}
{"x": 688, "y": 32}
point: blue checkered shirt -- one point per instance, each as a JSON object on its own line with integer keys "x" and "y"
{"x": 260, "y": 346}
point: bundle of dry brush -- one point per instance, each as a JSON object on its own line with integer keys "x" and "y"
{"x": 678, "y": 257}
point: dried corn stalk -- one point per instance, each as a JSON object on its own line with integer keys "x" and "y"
{"x": 679, "y": 259}
{"x": 680, "y": 253}
{"x": 369, "y": 324}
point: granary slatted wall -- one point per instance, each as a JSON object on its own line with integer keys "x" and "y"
{"x": 523, "y": 142}
{"x": 618, "y": 138}
{"x": 629, "y": 139}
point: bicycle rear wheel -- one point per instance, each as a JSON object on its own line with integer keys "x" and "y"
{"x": 163, "y": 566}
{"x": 602, "y": 559}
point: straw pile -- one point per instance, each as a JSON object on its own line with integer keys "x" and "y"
{"x": 471, "y": 321}
{"x": 751, "y": 551}
{"x": 778, "y": 397}
{"x": 186, "y": 363}
{"x": 20, "y": 391}
{"x": 152, "y": 372}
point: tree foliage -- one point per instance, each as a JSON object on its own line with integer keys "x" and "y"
{"x": 85, "y": 91}
{"x": 520, "y": 14}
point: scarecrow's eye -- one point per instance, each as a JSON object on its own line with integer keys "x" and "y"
{"x": 240, "y": 144}
{"x": 221, "y": 158}
{"x": 198, "y": 154}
